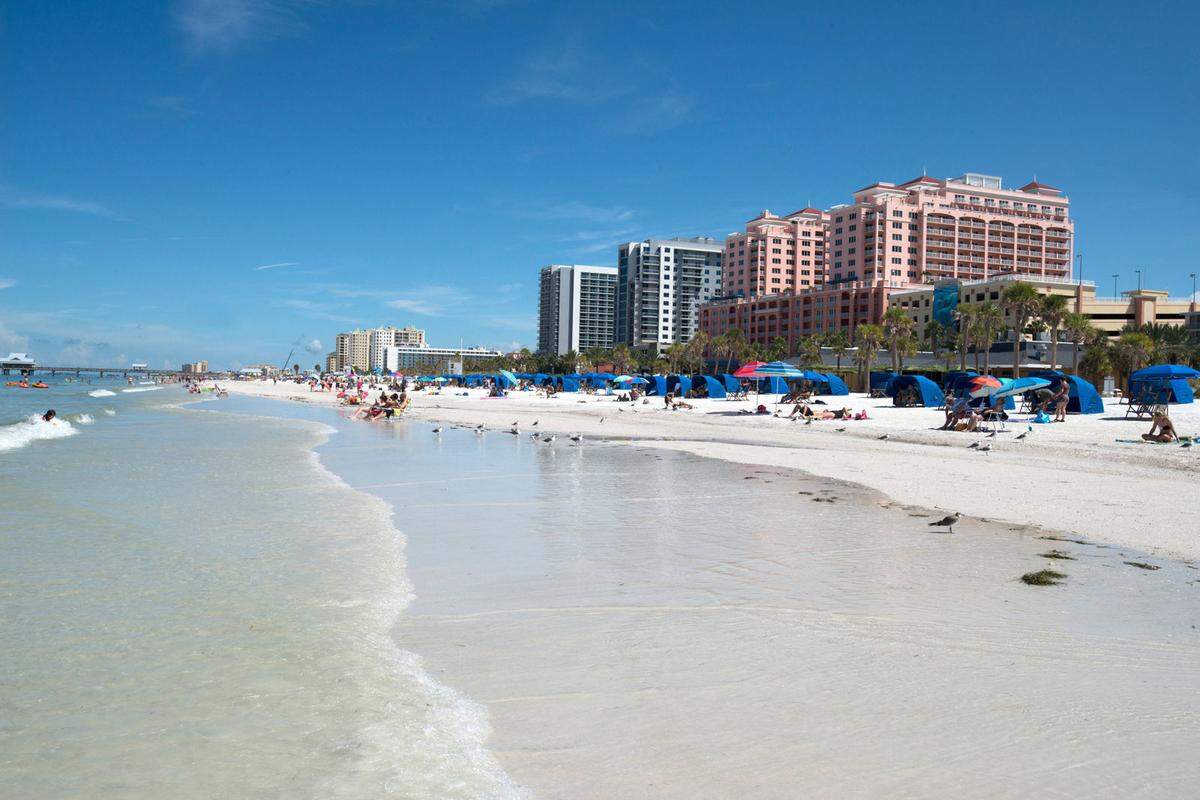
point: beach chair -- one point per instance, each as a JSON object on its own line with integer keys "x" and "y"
{"x": 740, "y": 394}
{"x": 1147, "y": 398}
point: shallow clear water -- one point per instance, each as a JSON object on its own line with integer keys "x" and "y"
{"x": 192, "y": 605}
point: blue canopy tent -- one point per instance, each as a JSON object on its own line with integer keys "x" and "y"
{"x": 506, "y": 380}
{"x": 657, "y": 385}
{"x": 1170, "y": 380}
{"x": 1084, "y": 399}
{"x": 599, "y": 379}
{"x": 540, "y": 379}
{"x": 957, "y": 381}
{"x": 928, "y": 393}
{"x": 880, "y": 380}
{"x": 773, "y": 385}
{"x": 473, "y": 380}
{"x": 710, "y": 386}
{"x": 566, "y": 383}
{"x": 732, "y": 384}
{"x": 831, "y": 384}
{"x": 679, "y": 384}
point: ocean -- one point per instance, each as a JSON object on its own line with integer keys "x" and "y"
{"x": 192, "y": 606}
{"x": 250, "y": 598}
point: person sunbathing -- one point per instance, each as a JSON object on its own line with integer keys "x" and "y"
{"x": 680, "y": 404}
{"x": 1162, "y": 429}
{"x": 804, "y": 410}
{"x": 955, "y": 412}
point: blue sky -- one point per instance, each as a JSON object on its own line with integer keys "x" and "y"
{"x": 222, "y": 179}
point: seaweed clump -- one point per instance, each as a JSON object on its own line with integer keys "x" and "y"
{"x": 1043, "y": 577}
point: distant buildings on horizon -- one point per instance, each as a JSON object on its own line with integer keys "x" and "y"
{"x": 392, "y": 349}
{"x": 194, "y": 368}
{"x": 820, "y": 270}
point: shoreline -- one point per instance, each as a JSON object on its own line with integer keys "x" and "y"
{"x": 1068, "y": 479}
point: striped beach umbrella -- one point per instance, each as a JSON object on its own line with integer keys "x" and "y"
{"x": 982, "y": 385}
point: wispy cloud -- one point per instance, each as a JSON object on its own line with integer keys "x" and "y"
{"x": 220, "y": 26}
{"x": 572, "y": 210}
{"x": 7, "y": 283}
{"x": 431, "y": 301}
{"x": 562, "y": 74}
{"x": 279, "y": 265}
{"x": 11, "y": 197}
{"x": 317, "y": 310}
{"x": 657, "y": 112}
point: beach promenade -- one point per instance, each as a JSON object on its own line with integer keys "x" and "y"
{"x": 1075, "y": 478}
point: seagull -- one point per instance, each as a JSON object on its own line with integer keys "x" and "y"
{"x": 840, "y": 430}
{"x": 1022, "y": 436}
{"x": 1186, "y": 444}
{"x": 550, "y": 439}
{"x": 987, "y": 448}
{"x": 535, "y": 422}
{"x": 533, "y": 435}
{"x": 513, "y": 430}
{"x": 602, "y": 419}
{"x": 576, "y": 437}
{"x": 882, "y": 438}
{"x": 515, "y": 424}
{"x": 438, "y": 430}
{"x": 972, "y": 445}
{"x": 947, "y": 522}
{"x": 479, "y": 427}
{"x": 992, "y": 435}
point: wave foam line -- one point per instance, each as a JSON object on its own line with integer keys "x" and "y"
{"x": 33, "y": 429}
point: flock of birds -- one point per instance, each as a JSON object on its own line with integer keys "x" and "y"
{"x": 515, "y": 430}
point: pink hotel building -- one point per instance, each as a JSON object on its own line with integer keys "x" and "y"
{"x": 819, "y": 270}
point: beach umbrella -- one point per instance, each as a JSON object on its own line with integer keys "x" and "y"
{"x": 509, "y": 376}
{"x": 748, "y": 370}
{"x": 1164, "y": 372}
{"x": 780, "y": 369}
{"x": 622, "y": 379}
{"x": 1021, "y": 386}
{"x": 981, "y": 385}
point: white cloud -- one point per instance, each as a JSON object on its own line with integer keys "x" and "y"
{"x": 316, "y": 310}
{"x": 277, "y": 266}
{"x": 13, "y": 198}
{"x": 7, "y": 283}
{"x": 561, "y": 74}
{"x": 10, "y": 340}
{"x": 223, "y": 25}
{"x": 431, "y": 301}
{"x": 574, "y": 210}
{"x": 314, "y": 346}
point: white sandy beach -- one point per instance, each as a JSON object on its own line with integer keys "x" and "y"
{"x": 1074, "y": 477}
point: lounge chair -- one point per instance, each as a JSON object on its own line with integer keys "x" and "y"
{"x": 1148, "y": 397}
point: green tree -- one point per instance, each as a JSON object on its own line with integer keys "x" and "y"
{"x": 778, "y": 349}
{"x": 868, "y": 339}
{"x": 1077, "y": 327}
{"x": 1054, "y": 312}
{"x": 1096, "y": 361}
{"x": 808, "y": 350}
{"x": 1021, "y": 302}
{"x": 1130, "y": 353}
{"x": 696, "y": 350}
{"x": 965, "y": 332}
{"x": 987, "y": 323}
{"x": 898, "y": 329}
{"x": 622, "y": 359}
{"x": 838, "y": 342}
{"x": 736, "y": 347}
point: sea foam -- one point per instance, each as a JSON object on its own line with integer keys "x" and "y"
{"x": 101, "y": 393}
{"x": 33, "y": 429}
{"x": 143, "y": 389}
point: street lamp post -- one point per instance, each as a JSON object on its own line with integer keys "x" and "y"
{"x": 1116, "y": 291}
{"x": 1192, "y": 275}
{"x": 1139, "y": 274}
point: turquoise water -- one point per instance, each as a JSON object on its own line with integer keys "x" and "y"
{"x": 191, "y": 606}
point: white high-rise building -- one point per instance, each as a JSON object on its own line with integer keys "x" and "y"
{"x": 576, "y": 306}
{"x": 661, "y": 283}
{"x": 393, "y": 337}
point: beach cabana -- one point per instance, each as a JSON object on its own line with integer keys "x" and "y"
{"x": 732, "y": 384}
{"x": 957, "y": 381}
{"x": 1084, "y": 399}
{"x": 928, "y": 393}
{"x": 599, "y": 379}
{"x": 773, "y": 385}
{"x": 679, "y": 384}
{"x": 881, "y": 379}
{"x": 657, "y": 385}
{"x": 567, "y": 383}
{"x": 709, "y": 386}
{"x": 540, "y": 379}
{"x": 506, "y": 379}
{"x": 1169, "y": 379}
{"x": 828, "y": 383}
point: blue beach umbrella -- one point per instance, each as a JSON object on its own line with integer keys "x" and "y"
{"x": 779, "y": 369}
{"x": 1020, "y": 386}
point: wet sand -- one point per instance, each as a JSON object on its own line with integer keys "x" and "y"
{"x": 647, "y": 623}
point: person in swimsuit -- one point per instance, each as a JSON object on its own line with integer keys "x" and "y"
{"x": 49, "y": 415}
{"x": 1162, "y": 429}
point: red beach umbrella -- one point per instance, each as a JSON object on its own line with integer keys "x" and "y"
{"x": 982, "y": 384}
{"x": 748, "y": 370}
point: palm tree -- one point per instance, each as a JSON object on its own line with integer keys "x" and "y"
{"x": 622, "y": 359}
{"x": 1021, "y": 302}
{"x": 868, "y": 338}
{"x": 736, "y": 347}
{"x": 988, "y": 322}
{"x": 934, "y": 334}
{"x": 778, "y": 349}
{"x": 1096, "y": 361}
{"x": 1130, "y": 353}
{"x": 898, "y": 330}
{"x": 839, "y": 343}
{"x": 1077, "y": 327}
{"x": 1053, "y": 313}
{"x": 696, "y": 349}
{"x": 964, "y": 336}
{"x": 808, "y": 350}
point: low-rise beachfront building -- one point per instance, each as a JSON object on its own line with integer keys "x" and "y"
{"x": 661, "y": 285}
{"x": 353, "y": 350}
{"x": 576, "y": 308}
{"x": 194, "y": 368}
{"x": 411, "y": 358}
{"x": 941, "y": 302}
{"x": 792, "y": 315}
{"x": 331, "y": 362}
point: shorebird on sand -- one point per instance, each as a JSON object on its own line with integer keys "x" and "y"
{"x": 576, "y": 437}
{"x": 883, "y": 438}
{"x": 550, "y": 439}
{"x": 438, "y": 430}
{"x": 1021, "y": 436}
{"x": 947, "y": 522}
